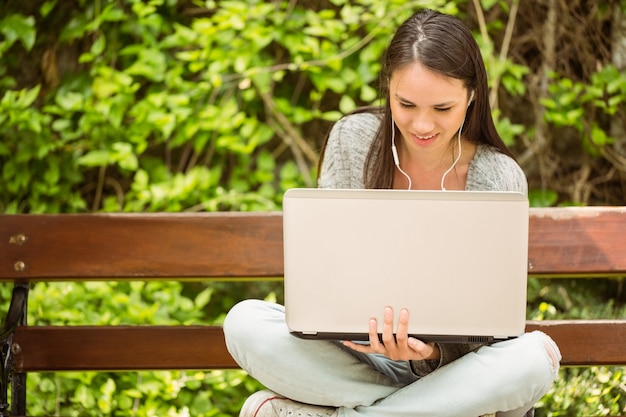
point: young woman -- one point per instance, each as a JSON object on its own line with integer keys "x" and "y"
{"x": 434, "y": 132}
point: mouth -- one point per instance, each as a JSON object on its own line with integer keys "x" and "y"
{"x": 425, "y": 140}
{"x": 424, "y": 137}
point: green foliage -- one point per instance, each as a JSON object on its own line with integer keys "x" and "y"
{"x": 140, "y": 394}
{"x": 584, "y": 106}
{"x": 38, "y": 171}
{"x": 17, "y": 27}
{"x": 604, "y": 395}
{"x": 592, "y": 391}
{"x": 214, "y": 94}
{"x": 542, "y": 198}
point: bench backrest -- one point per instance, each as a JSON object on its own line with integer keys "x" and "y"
{"x": 564, "y": 242}
{"x": 581, "y": 241}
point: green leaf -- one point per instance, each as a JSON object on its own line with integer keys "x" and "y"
{"x": 52, "y": 174}
{"x": 97, "y": 48}
{"x": 150, "y": 63}
{"x": 9, "y": 170}
{"x": 113, "y": 13}
{"x": 542, "y": 198}
{"x": 124, "y": 155}
{"x": 346, "y": 104}
{"x": 203, "y": 298}
{"x": 368, "y": 94}
{"x": 47, "y": 7}
{"x": 599, "y": 136}
{"x": 25, "y": 98}
{"x": 19, "y": 27}
{"x": 70, "y": 101}
{"x": 95, "y": 158}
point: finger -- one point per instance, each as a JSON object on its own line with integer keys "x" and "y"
{"x": 402, "y": 334}
{"x": 417, "y": 346}
{"x": 373, "y": 335}
{"x": 388, "y": 336}
{"x": 388, "y": 325}
{"x": 358, "y": 347}
{"x": 424, "y": 350}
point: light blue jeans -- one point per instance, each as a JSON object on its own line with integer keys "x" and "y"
{"x": 508, "y": 377}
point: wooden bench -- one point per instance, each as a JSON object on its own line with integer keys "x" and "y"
{"x": 564, "y": 242}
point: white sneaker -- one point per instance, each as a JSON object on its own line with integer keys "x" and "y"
{"x": 269, "y": 404}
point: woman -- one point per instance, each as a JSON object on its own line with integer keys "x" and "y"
{"x": 434, "y": 132}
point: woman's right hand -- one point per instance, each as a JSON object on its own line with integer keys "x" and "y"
{"x": 399, "y": 346}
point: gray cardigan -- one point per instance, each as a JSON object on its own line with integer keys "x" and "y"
{"x": 351, "y": 138}
{"x": 343, "y": 165}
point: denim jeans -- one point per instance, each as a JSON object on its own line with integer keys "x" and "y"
{"x": 507, "y": 377}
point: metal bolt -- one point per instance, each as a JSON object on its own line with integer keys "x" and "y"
{"x": 15, "y": 348}
{"x": 19, "y": 266}
{"x": 18, "y": 240}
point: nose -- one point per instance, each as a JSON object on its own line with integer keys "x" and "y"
{"x": 423, "y": 123}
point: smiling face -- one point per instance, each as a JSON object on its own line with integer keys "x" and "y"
{"x": 428, "y": 109}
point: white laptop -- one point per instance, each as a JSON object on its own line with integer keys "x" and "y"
{"x": 457, "y": 260}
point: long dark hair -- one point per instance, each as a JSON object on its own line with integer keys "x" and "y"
{"x": 443, "y": 44}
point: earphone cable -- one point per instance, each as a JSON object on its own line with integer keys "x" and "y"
{"x": 443, "y": 177}
{"x": 406, "y": 175}
{"x": 394, "y": 151}
{"x": 396, "y": 159}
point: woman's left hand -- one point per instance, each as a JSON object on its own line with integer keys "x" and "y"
{"x": 398, "y": 347}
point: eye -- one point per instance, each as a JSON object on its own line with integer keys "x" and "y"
{"x": 442, "y": 109}
{"x": 406, "y": 105}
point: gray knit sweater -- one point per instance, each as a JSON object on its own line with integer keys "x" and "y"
{"x": 344, "y": 160}
{"x": 350, "y": 140}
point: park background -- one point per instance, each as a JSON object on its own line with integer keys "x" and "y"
{"x": 190, "y": 105}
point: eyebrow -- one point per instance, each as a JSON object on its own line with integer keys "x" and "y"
{"x": 446, "y": 104}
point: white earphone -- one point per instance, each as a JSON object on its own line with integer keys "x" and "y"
{"x": 396, "y": 159}
{"x": 394, "y": 151}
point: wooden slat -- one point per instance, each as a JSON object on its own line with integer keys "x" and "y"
{"x": 102, "y": 348}
{"x": 105, "y": 246}
{"x": 577, "y": 241}
{"x": 586, "y": 342}
{"x": 582, "y": 343}
{"x": 574, "y": 241}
